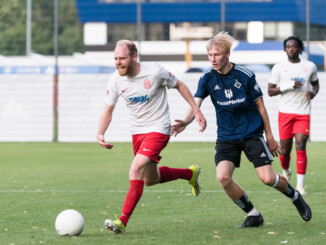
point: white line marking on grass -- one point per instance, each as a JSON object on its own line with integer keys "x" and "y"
{"x": 151, "y": 191}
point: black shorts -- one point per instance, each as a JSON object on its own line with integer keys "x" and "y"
{"x": 255, "y": 149}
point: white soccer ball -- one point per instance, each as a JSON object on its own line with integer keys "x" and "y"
{"x": 69, "y": 223}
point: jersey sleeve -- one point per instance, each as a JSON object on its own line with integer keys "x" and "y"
{"x": 202, "y": 91}
{"x": 275, "y": 75}
{"x": 314, "y": 76}
{"x": 112, "y": 95}
{"x": 167, "y": 78}
{"x": 254, "y": 89}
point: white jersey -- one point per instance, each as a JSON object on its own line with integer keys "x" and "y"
{"x": 146, "y": 97}
{"x": 294, "y": 101}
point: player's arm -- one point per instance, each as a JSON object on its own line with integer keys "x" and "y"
{"x": 196, "y": 112}
{"x": 273, "y": 146}
{"x": 315, "y": 88}
{"x": 180, "y": 125}
{"x": 104, "y": 123}
{"x": 273, "y": 90}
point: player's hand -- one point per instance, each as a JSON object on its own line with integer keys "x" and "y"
{"x": 101, "y": 141}
{"x": 273, "y": 147}
{"x": 298, "y": 84}
{"x": 178, "y": 127}
{"x": 201, "y": 121}
{"x": 310, "y": 95}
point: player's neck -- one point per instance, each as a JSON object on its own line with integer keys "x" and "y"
{"x": 296, "y": 60}
{"x": 135, "y": 70}
{"x": 226, "y": 68}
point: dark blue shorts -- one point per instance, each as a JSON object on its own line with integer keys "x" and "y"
{"x": 255, "y": 149}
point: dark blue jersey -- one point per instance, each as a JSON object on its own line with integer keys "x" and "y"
{"x": 233, "y": 95}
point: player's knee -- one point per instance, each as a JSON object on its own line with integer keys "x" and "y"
{"x": 268, "y": 180}
{"x": 224, "y": 180}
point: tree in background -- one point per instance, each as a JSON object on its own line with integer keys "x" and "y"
{"x": 13, "y": 27}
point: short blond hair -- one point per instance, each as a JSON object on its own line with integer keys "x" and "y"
{"x": 221, "y": 40}
{"x": 131, "y": 46}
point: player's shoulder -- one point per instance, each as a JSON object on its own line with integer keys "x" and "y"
{"x": 150, "y": 64}
{"x": 278, "y": 66}
{"x": 244, "y": 71}
{"x": 308, "y": 63}
{"x": 208, "y": 72}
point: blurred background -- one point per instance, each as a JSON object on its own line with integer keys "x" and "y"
{"x": 56, "y": 57}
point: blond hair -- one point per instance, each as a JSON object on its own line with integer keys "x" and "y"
{"x": 131, "y": 46}
{"x": 221, "y": 40}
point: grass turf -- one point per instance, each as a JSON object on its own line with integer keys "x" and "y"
{"x": 39, "y": 180}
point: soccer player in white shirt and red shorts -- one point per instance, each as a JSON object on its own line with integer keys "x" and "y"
{"x": 297, "y": 82}
{"x": 143, "y": 86}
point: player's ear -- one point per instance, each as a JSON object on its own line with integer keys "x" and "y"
{"x": 134, "y": 57}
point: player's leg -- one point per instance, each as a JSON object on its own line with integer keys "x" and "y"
{"x": 285, "y": 122}
{"x": 136, "y": 175}
{"x": 285, "y": 157}
{"x": 227, "y": 158}
{"x": 151, "y": 146}
{"x": 224, "y": 172}
{"x": 257, "y": 152}
{"x": 301, "y": 134}
{"x": 279, "y": 182}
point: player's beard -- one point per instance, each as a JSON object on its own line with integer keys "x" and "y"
{"x": 126, "y": 70}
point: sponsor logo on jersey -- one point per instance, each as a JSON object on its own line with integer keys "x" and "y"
{"x": 298, "y": 79}
{"x": 147, "y": 84}
{"x": 139, "y": 99}
{"x": 231, "y": 102}
{"x": 228, "y": 93}
{"x": 122, "y": 91}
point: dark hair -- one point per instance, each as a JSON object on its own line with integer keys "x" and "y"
{"x": 297, "y": 39}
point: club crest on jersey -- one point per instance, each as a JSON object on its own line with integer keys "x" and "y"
{"x": 237, "y": 84}
{"x": 147, "y": 84}
{"x": 228, "y": 93}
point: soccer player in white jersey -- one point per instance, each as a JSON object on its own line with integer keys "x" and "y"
{"x": 143, "y": 86}
{"x": 297, "y": 82}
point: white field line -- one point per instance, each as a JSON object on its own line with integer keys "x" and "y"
{"x": 125, "y": 191}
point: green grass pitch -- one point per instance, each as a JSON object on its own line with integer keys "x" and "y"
{"x": 39, "y": 180}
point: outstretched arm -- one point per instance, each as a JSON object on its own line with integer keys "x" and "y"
{"x": 104, "y": 123}
{"x": 194, "y": 111}
{"x": 272, "y": 145}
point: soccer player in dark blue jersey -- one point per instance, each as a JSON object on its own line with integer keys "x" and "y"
{"x": 241, "y": 119}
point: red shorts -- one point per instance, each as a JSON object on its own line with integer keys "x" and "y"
{"x": 150, "y": 144}
{"x": 290, "y": 124}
